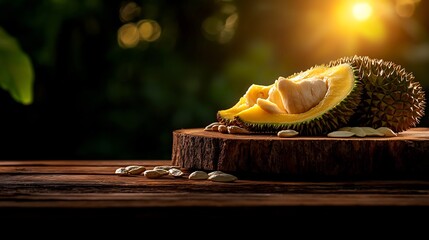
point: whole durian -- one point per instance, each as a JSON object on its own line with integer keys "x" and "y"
{"x": 391, "y": 97}
{"x": 349, "y": 91}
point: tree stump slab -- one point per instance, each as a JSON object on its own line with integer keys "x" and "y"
{"x": 403, "y": 156}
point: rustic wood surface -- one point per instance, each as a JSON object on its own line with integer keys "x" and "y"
{"x": 88, "y": 192}
{"x": 403, "y": 156}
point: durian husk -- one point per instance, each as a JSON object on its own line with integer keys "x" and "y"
{"x": 391, "y": 96}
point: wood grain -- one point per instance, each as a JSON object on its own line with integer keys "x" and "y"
{"x": 93, "y": 184}
{"x": 43, "y": 195}
{"x": 404, "y": 156}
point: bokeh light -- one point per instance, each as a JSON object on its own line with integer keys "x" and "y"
{"x": 221, "y": 26}
{"x": 128, "y": 35}
{"x": 149, "y": 30}
{"x": 129, "y": 11}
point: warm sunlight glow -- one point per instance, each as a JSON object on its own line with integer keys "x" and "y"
{"x": 354, "y": 25}
{"x": 406, "y": 8}
{"x": 362, "y": 11}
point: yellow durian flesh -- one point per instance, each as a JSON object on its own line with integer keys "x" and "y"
{"x": 296, "y": 96}
{"x": 253, "y": 93}
{"x": 339, "y": 99}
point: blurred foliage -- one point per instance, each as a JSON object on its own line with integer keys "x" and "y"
{"x": 95, "y": 97}
{"x": 16, "y": 70}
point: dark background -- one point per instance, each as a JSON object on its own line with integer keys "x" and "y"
{"x": 97, "y": 98}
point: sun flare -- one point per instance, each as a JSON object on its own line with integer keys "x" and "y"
{"x": 362, "y": 11}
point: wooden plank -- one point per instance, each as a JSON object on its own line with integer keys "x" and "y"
{"x": 149, "y": 200}
{"x": 406, "y": 155}
{"x": 30, "y": 184}
{"x": 93, "y": 184}
{"x": 40, "y": 195}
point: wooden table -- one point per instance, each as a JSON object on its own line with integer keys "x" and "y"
{"x": 89, "y": 192}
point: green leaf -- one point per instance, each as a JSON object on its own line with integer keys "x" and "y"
{"x": 16, "y": 70}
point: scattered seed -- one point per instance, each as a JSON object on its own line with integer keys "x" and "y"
{"x": 287, "y": 133}
{"x": 135, "y": 170}
{"x": 237, "y": 130}
{"x": 222, "y": 128}
{"x": 198, "y": 175}
{"x": 222, "y": 177}
{"x": 175, "y": 172}
{"x": 215, "y": 127}
{"x": 386, "y": 131}
{"x": 163, "y": 171}
{"x": 155, "y": 173}
{"x": 165, "y": 167}
{"x": 372, "y": 132}
{"x": 121, "y": 172}
{"x": 210, "y": 126}
{"x": 341, "y": 134}
{"x": 358, "y": 131}
{"x": 214, "y": 173}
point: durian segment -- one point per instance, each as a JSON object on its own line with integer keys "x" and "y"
{"x": 330, "y": 113}
{"x": 391, "y": 96}
{"x": 269, "y": 106}
{"x": 294, "y": 96}
{"x": 253, "y": 93}
{"x": 275, "y": 97}
{"x": 301, "y": 96}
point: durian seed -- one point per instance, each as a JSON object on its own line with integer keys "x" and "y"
{"x": 163, "y": 172}
{"x": 155, "y": 173}
{"x": 371, "y": 132}
{"x": 198, "y": 175}
{"x": 135, "y": 170}
{"x": 359, "y": 132}
{"x": 287, "y": 133}
{"x": 209, "y": 127}
{"x": 214, "y": 173}
{"x": 165, "y": 167}
{"x": 237, "y": 130}
{"x": 122, "y": 172}
{"x": 222, "y": 128}
{"x": 175, "y": 172}
{"x": 222, "y": 177}
{"x": 215, "y": 127}
{"x": 152, "y": 174}
{"x": 341, "y": 134}
{"x": 386, "y": 131}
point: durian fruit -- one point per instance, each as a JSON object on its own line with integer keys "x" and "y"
{"x": 313, "y": 102}
{"x": 391, "y": 97}
{"x": 253, "y": 93}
